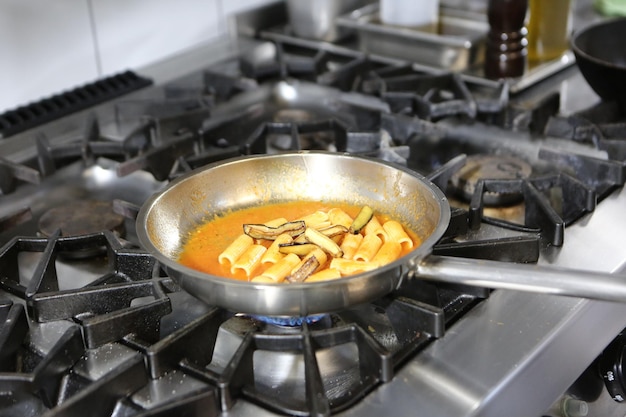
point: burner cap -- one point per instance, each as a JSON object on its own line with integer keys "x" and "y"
{"x": 81, "y": 218}
{"x": 494, "y": 167}
{"x": 294, "y": 116}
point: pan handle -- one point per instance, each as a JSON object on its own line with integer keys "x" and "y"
{"x": 524, "y": 277}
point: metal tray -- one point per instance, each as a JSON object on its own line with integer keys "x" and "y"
{"x": 456, "y": 44}
{"x": 410, "y": 46}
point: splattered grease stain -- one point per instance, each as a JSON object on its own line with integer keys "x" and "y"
{"x": 205, "y": 243}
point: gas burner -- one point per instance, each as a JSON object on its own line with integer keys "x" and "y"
{"x": 297, "y": 119}
{"x": 293, "y": 115}
{"x": 83, "y": 217}
{"x": 15, "y": 218}
{"x": 496, "y": 167}
{"x": 90, "y": 318}
{"x": 428, "y": 97}
{"x": 292, "y": 321}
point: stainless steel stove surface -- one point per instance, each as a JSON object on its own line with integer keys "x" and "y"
{"x": 91, "y": 325}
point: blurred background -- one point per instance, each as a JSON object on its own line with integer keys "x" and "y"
{"x": 48, "y": 47}
{"x": 51, "y": 46}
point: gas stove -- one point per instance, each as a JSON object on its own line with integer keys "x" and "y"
{"x": 90, "y": 323}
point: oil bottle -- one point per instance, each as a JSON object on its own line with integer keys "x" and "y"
{"x": 549, "y": 26}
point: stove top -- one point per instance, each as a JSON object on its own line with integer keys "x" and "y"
{"x": 88, "y": 317}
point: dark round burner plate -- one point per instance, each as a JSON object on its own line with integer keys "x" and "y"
{"x": 485, "y": 167}
{"x": 78, "y": 218}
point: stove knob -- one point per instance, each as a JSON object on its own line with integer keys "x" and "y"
{"x": 611, "y": 363}
{"x": 568, "y": 406}
{"x": 574, "y": 408}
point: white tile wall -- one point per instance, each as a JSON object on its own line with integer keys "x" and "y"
{"x": 150, "y": 29}
{"x": 47, "y": 47}
{"x": 233, "y": 6}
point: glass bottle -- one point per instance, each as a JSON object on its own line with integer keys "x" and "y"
{"x": 549, "y": 26}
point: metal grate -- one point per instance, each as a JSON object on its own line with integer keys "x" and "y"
{"x": 51, "y": 108}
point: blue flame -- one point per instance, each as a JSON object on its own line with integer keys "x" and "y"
{"x": 289, "y": 321}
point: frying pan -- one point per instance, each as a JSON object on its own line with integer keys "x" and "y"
{"x": 167, "y": 217}
{"x": 601, "y": 57}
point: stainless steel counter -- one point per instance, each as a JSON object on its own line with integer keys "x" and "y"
{"x": 517, "y": 353}
{"x": 514, "y": 354}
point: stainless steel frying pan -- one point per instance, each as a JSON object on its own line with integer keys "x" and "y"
{"x": 165, "y": 220}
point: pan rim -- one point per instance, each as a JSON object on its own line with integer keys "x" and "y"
{"x": 173, "y": 267}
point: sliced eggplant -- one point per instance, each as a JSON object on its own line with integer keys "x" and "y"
{"x": 300, "y": 249}
{"x": 334, "y": 230}
{"x": 307, "y": 268}
{"x": 261, "y": 231}
{"x": 361, "y": 219}
{"x": 324, "y": 242}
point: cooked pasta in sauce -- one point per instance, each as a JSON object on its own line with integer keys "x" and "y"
{"x": 220, "y": 246}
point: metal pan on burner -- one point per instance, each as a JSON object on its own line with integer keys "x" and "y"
{"x": 166, "y": 219}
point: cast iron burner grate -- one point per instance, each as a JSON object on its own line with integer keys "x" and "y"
{"x": 602, "y": 126}
{"x": 111, "y": 334}
{"x": 119, "y": 340}
{"x": 34, "y": 114}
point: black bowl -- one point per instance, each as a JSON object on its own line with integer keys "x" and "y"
{"x": 600, "y": 51}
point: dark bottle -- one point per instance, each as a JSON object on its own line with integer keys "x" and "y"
{"x": 506, "y": 54}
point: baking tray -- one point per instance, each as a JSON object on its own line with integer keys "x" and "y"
{"x": 456, "y": 43}
{"x": 278, "y": 30}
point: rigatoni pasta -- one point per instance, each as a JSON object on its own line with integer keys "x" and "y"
{"x": 324, "y": 275}
{"x": 373, "y": 227}
{"x": 278, "y": 271}
{"x": 273, "y": 254}
{"x": 249, "y": 261}
{"x": 322, "y": 242}
{"x": 235, "y": 250}
{"x": 395, "y": 232}
{"x": 350, "y": 244}
{"x": 316, "y": 220}
{"x": 340, "y": 217}
{"x": 387, "y": 253}
{"x": 368, "y": 248}
{"x": 351, "y": 267}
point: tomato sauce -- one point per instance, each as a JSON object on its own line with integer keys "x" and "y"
{"x": 206, "y": 242}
